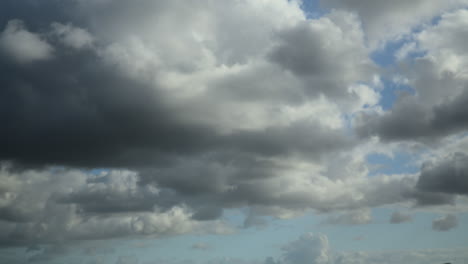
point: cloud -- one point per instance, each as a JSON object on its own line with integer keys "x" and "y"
{"x": 303, "y": 51}
{"x": 399, "y": 217}
{"x": 357, "y": 217}
{"x": 188, "y": 122}
{"x": 309, "y": 248}
{"x": 185, "y": 118}
{"x": 71, "y": 36}
{"x": 448, "y": 176}
{"x": 113, "y": 192}
{"x": 412, "y": 120}
{"x": 383, "y": 21}
{"x": 22, "y": 45}
{"x": 58, "y": 208}
{"x": 445, "y": 223}
{"x": 438, "y": 106}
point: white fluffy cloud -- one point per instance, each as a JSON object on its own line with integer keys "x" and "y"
{"x": 390, "y": 20}
{"x": 309, "y": 248}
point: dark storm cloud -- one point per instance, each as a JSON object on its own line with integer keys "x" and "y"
{"x": 424, "y": 198}
{"x": 449, "y": 176}
{"x": 410, "y": 120}
{"x": 303, "y": 137}
{"x": 74, "y": 110}
{"x": 66, "y": 105}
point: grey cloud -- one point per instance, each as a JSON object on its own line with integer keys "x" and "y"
{"x": 17, "y": 43}
{"x": 398, "y": 217}
{"x": 122, "y": 95}
{"x": 410, "y": 120}
{"x": 388, "y": 190}
{"x": 438, "y": 107}
{"x": 424, "y": 198}
{"x": 207, "y": 213}
{"x": 448, "y": 176}
{"x": 301, "y": 51}
{"x": 253, "y": 219}
{"x": 117, "y": 194}
{"x": 14, "y": 214}
{"x": 325, "y": 65}
{"x": 111, "y": 214}
{"x": 445, "y": 223}
{"x": 356, "y": 217}
{"x": 110, "y": 120}
{"x": 74, "y": 37}
{"x": 107, "y": 119}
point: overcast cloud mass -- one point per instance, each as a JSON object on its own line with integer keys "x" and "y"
{"x": 150, "y": 120}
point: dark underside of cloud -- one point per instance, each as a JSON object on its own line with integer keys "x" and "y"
{"x": 411, "y": 120}
{"x": 75, "y": 103}
{"x": 449, "y": 176}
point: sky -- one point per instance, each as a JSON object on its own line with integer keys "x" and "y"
{"x": 233, "y": 131}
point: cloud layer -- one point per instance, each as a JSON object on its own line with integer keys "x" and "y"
{"x": 150, "y": 118}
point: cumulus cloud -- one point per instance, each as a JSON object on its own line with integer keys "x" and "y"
{"x": 385, "y": 21}
{"x": 309, "y": 248}
{"x": 187, "y": 118}
{"x": 448, "y": 176}
{"x": 199, "y": 120}
{"x": 439, "y": 79}
{"x": 445, "y": 223}
{"x": 57, "y": 207}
